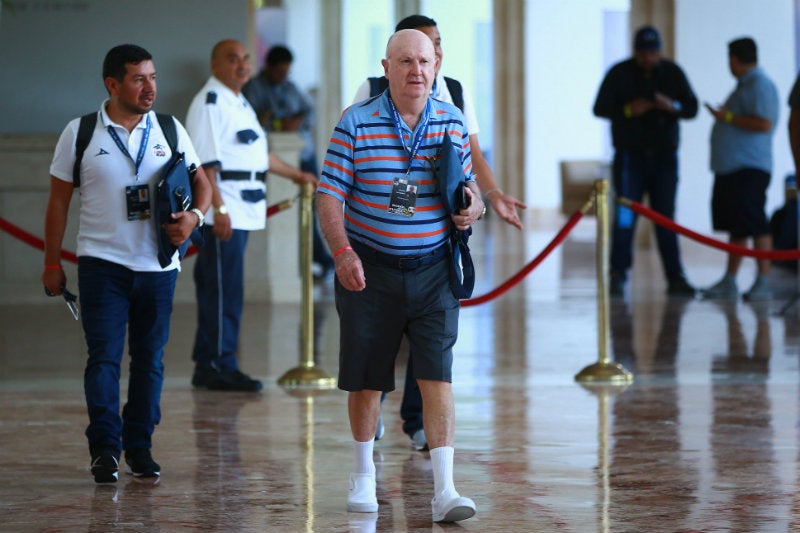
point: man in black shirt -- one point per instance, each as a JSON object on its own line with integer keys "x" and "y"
{"x": 644, "y": 97}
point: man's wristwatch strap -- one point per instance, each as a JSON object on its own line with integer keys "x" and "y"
{"x": 201, "y": 218}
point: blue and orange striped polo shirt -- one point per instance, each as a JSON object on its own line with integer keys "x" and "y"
{"x": 364, "y": 157}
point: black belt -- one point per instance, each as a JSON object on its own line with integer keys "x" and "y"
{"x": 242, "y": 175}
{"x": 400, "y": 262}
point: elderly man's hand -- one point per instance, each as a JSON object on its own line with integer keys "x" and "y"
{"x": 467, "y": 217}
{"x": 350, "y": 271}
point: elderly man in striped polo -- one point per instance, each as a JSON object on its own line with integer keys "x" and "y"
{"x": 382, "y": 214}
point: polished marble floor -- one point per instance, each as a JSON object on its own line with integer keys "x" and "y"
{"x": 704, "y": 440}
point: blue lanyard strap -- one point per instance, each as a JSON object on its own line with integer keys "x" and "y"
{"x": 423, "y": 128}
{"x": 142, "y": 146}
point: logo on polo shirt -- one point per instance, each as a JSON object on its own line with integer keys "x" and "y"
{"x": 101, "y": 152}
{"x": 159, "y": 150}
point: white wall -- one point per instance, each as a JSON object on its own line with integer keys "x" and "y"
{"x": 366, "y": 26}
{"x": 302, "y": 36}
{"x": 703, "y": 30}
{"x": 564, "y": 43}
{"x": 564, "y": 67}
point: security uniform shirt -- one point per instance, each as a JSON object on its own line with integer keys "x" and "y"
{"x": 227, "y": 135}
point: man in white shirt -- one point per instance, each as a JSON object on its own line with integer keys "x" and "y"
{"x": 232, "y": 147}
{"x": 123, "y": 288}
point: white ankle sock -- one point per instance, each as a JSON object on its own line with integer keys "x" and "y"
{"x": 442, "y": 463}
{"x": 363, "y": 456}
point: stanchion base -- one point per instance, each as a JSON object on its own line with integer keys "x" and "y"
{"x": 604, "y": 373}
{"x": 604, "y": 389}
{"x": 307, "y": 376}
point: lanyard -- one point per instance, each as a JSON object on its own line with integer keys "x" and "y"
{"x": 422, "y": 129}
{"x": 124, "y": 149}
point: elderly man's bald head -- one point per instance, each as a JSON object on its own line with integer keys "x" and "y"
{"x": 405, "y": 38}
{"x": 410, "y": 65}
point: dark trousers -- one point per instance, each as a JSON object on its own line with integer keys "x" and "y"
{"x": 219, "y": 286}
{"x": 411, "y": 405}
{"x": 115, "y": 299}
{"x": 636, "y": 173}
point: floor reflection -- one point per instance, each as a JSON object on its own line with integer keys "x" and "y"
{"x": 704, "y": 439}
{"x": 219, "y": 468}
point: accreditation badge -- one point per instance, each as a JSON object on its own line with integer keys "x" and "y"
{"x": 403, "y": 200}
{"x": 137, "y": 199}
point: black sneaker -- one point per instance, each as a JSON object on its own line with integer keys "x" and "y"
{"x": 139, "y": 463}
{"x": 105, "y": 465}
{"x": 616, "y": 284}
{"x": 232, "y": 380}
{"x": 680, "y": 287}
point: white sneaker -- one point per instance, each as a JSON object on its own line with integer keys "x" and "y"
{"x": 418, "y": 441}
{"x": 364, "y": 523}
{"x": 381, "y": 428}
{"x": 724, "y": 289}
{"x": 454, "y": 510}
{"x": 361, "y": 498}
{"x": 760, "y": 291}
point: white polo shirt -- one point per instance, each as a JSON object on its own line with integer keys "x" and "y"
{"x": 216, "y": 119}
{"x": 440, "y": 92}
{"x": 104, "y": 229}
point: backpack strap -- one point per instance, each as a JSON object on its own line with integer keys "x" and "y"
{"x": 85, "y": 132}
{"x": 377, "y": 85}
{"x": 167, "y": 123}
{"x": 454, "y": 86}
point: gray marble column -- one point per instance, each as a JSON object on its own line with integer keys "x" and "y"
{"x": 509, "y": 96}
{"x": 658, "y": 13}
{"x": 404, "y": 8}
{"x": 329, "y": 95}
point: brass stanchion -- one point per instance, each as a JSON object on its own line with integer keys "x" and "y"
{"x": 603, "y": 370}
{"x": 307, "y": 375}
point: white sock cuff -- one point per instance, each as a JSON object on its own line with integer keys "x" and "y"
{"x": 442, "y": 464}
{"x": 442, "y": 453}
{"x": 363, "y": 456}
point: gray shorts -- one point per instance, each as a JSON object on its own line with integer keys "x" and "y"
{"x": 417, "y": 303}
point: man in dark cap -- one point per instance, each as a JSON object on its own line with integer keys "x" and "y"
{"x": 644, "y": 97}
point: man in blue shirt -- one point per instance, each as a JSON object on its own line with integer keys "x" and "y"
{"x": 741, "y": 158}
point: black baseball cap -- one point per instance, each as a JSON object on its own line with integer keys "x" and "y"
{"x": 647, "y": 38}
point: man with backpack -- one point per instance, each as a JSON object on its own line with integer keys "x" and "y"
{"x": 117, "y": 162}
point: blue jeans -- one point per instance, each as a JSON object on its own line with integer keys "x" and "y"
{"x": 219, "y": 287}
{"x": 636, "y": 173}
{"x": 115, "y": 299}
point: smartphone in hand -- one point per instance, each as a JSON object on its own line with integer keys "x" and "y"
{"x": 461, "y": 200}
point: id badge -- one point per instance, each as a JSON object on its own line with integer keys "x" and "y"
{"x": 137, "y": 199}
{"x": 403, "y": 200}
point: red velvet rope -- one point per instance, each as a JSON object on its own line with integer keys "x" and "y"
{"x": 516, "y": 278}
{"x": 36, "y": 242}
{"x": 33, "y": 240}
{"x": 661, "y": 220}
